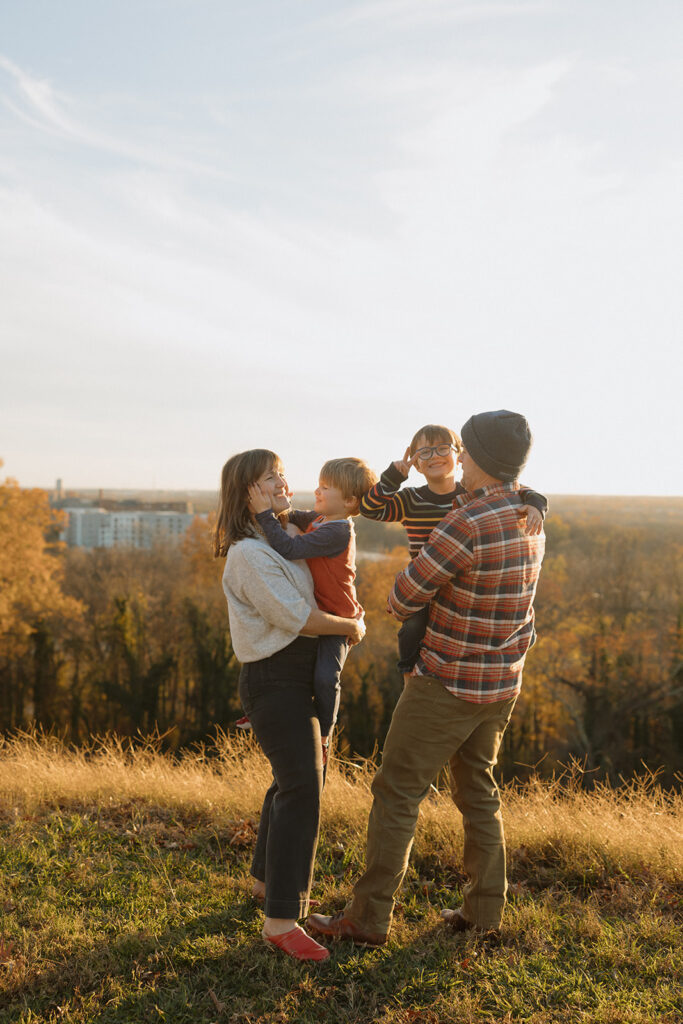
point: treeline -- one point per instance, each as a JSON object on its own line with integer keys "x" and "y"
{"x": 128, "y": 641}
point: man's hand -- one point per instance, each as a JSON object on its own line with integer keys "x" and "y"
{"x": 405, "y": 464}
{"x": 534, "y": 520}
{"x": 258, "y": 501}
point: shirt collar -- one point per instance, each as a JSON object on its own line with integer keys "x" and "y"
{"x": 482, "y": 492}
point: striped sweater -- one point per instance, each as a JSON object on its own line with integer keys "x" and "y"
{"x": 419, "y": 509}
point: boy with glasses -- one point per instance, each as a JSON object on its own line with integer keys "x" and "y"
{"x": 432, "y": 452}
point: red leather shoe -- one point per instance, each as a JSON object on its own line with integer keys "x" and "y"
{"x": 297, "y": 944}
{"x": 341, "y": 927}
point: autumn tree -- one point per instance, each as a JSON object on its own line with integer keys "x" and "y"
{"x": 156, "y": 646}
{"x": 35, "y": 613}
{"x": 606, "y": 672}
{"x": 136, "y": 640}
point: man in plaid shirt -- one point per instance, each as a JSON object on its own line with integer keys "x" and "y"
{"x": 478, "y": 572}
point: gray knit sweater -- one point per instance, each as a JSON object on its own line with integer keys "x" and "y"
{"x": 269, "y": 598}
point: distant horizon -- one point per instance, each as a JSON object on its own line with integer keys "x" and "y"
{"x": 205, "y": 491}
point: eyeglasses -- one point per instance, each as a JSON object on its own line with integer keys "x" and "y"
{"x": 442, "y": 450}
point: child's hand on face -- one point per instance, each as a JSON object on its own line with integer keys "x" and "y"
{"x": 258, "y": 501}
{"x": 534, "y": 520}
{"x": 405, "y": 464}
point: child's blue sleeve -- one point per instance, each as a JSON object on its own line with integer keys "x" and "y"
{"x": 325, "y": 541}
{"x": 301, "y": 517}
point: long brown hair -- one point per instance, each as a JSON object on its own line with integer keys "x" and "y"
{"x": 234, "y": 521}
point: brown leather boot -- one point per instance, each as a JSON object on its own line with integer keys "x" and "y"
{"x": 340, "y": 927}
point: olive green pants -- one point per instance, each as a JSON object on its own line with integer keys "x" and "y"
{"x": 429, "y": 727}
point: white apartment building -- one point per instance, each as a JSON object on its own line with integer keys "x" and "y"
{"x": 98, "y": 528}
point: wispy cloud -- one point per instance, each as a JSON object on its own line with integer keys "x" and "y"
{"x": 396, "y": 15}
{"x": 37, "y": 103}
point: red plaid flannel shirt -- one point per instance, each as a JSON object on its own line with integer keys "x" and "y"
{"x": 479, "y": 570}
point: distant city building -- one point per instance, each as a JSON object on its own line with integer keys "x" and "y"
{"x": 99, "y": 528}
{"x": 129, "y": 522}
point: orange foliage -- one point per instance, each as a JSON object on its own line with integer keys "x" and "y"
{"x": 30, "y": 571}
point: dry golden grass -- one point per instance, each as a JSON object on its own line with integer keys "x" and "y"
{"x": 39, "y": 772}
{"x": 124, "y": 876}
{"x": 636, "y": 828}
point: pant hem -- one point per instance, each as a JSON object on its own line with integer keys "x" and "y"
{"x": 289, "y": 910}
{"x": 362, "y": 923}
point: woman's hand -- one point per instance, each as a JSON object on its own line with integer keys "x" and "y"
{"x": 258, "y": 501}
{"x": 323, "y": 624}
{"x": 357, "y": 632}
{"x": 405, "y": 464}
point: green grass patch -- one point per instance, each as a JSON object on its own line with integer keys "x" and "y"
{"x": 138, "y": 913}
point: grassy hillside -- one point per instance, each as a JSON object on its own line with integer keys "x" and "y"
{"x": 124, "y": 897}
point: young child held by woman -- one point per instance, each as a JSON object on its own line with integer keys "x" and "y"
{"x": 327, "y": 542}
{"x": 432, "y": 452}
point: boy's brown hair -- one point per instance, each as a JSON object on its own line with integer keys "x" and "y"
{"x": 233, "y": 521}
{"x": 435, "y": 433}
{"x": 352, "y": 476}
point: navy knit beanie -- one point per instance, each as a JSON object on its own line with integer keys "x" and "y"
{"x": 499, "y": 442}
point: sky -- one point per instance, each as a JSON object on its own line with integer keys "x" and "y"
{"x": 315, "y": 226}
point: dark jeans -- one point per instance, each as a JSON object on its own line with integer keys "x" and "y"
{"x": 410, "y": 636}
{"x": 332, "y": 652}
{"x": 277, "y": 695}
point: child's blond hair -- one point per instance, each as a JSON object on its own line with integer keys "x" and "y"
{"x": 352, "y": 477}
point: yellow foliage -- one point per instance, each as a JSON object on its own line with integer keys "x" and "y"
{"x": 202, "y": 569}
{"x": 30, "y": 574}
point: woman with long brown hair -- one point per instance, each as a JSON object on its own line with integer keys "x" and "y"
{"x": 274, "y": 625}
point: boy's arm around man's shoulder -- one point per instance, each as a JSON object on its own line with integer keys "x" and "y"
{"x": 534, "y": 498}
{"x": 448, "y": 551}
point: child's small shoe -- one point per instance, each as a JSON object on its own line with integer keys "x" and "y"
{"x": 243, "y": 723}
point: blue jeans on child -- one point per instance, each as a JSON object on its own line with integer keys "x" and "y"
{"x": 332, "y": 652}
{"x": 410, "y": 636}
